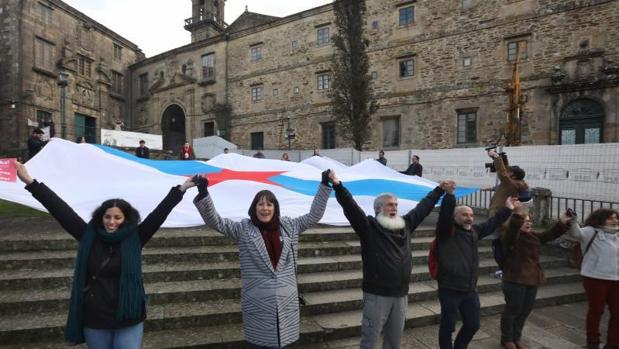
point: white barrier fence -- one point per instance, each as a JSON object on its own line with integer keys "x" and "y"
{"x": 585, "y": 171}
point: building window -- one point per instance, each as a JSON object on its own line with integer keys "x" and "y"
{"x": 256, "y": 53}
{"x": 512, "y": 46}
{"x": 294, "y": 44}
{"x": 374, "y": 75}
{"x": 391, "y": 133}
{"x": 407, "y": 15}
{"x": 256, "y": 94}
{"x": 257, "y": 140}
{"x": 322, "y": 36}
{"x": 467, "y": 126}
{"x": 84, "y": 66}
{"x": 581, "y": 122}
{"x": 208, "y": 67}
{"x": 467, "y": 61}
{"x": 143, "y": 84}
{"x": 46, "y": 14}
{"x": 407, "y": 67}
{"x": 275, "y": 92}
{"x": 322, "y": 82}
{"x": 296, "y": 89}
{"x": 328, "y": 135}
{"x": 118, "y": 52}
{"x": 466, "y": 4}
{"x": 209, "y": 129}
{"x": 117, "y": 82}
{"x": 44, "y": 54}
{"x": 374, "y": 24}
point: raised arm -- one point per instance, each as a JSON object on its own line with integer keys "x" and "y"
{"x": 445, "y": 222}
{"x": 356, "y": 216}
{"x": 494, "y": 222}
{"x": 68, "y": 219}
{"x": 319, "y": 205}
{"x": 557, "y": 229}
{"x": 206, "y": 208}
{"x": 155, "y": 219}
{"x": 415, "y": 216}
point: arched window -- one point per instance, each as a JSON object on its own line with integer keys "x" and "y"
{"x": 581, "y": 122}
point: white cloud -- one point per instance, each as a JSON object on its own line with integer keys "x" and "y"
{"x": 156, "y": 26}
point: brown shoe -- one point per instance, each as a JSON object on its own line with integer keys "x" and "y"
{"x": 509, "y": 345}
{"x": 520, "y": 345}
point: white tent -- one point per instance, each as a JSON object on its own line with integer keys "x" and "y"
{"x": 209, "y": 147}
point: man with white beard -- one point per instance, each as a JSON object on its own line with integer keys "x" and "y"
{"x": 387, "y": 259}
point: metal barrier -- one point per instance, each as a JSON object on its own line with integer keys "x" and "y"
{"x": 481, "y": 200}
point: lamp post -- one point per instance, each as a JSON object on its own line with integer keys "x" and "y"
{"x": 289, "y": 134}
{"x": 63, "y": 81}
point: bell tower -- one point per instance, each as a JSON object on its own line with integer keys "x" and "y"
{"x": 207, "y": 19}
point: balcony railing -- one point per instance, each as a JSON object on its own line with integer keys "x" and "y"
{"x": 207, "y": 16}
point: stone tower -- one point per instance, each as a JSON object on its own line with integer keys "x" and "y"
{"x": 207, "y": 19}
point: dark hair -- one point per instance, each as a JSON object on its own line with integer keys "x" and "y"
{"x": 38, "y": 131}
{"x": 517, "y": 172}
{"x": 132, "y": 216}
{"x": 142, "y": 141}
{"x": 416, "y": 157}
{"x": 598, "y": 217}
{"x": 270, "y": 197}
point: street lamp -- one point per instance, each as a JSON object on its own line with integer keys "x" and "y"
{"x": 63, "y": 81}
{"x": 289, "y": 134}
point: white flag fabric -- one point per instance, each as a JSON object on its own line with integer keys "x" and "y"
{"x": 85, "y": 175}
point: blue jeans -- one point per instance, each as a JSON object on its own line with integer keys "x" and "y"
{"x": 122, "y": 338}
{"x": 453, "y": 303}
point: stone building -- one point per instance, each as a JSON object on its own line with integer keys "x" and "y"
{"x": 62, "y": 69}
{"x": 441, "y": 71}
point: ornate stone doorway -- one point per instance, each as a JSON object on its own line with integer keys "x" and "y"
{"x": 581, "y": 122}
{"x": 173, "y": 127}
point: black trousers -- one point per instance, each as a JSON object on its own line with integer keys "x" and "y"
{"x": 519, "y": 300}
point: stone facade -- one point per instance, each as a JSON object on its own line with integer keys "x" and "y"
{"x": 458, "y": 57}
{"x": 425, "y": 106}
{"x": 40, "y": 39}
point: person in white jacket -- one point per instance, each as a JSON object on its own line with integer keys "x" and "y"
{"x": 599, "y": 241}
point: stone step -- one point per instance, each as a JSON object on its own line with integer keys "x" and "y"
{"x": 42, "y": 279}
{"x": 53, "y": 237}
{"x": 314, "y": 328}
{"x": 21, "y": 301}
{"x": 197, "y": 254}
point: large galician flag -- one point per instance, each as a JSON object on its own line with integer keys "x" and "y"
{"x": 85, "y": 175}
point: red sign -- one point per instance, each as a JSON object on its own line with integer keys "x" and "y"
{"x": 8, "y": 173}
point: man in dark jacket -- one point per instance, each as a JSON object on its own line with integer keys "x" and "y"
{"x": 142, "y": 151}
{"x": 415, "y": 168}
{"x": 35, "y": 142}
{"x": 387, "y": 260}
{"x": 458, "y": 266}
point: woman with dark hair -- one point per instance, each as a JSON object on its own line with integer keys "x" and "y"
{"x": 522, "y": 271}
{"x": 599, "y": 242}
{"x": 107, "y": 308}
{"x": 268, "y": 249}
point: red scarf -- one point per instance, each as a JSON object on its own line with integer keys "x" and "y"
{"x": 271, "y": 236}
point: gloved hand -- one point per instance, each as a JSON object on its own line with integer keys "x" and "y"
{"x": 325, "y": 177}
{"x": 202, "y": 184}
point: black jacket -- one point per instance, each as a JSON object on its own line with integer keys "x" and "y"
{"x": 101, "y": 302}
{"x": 458, "y": 258}
{"x": 142, "y": 152}
{"x": 414, "y": 170}
{"x": 387, "y": 259}
{"x": 34, "y": 146}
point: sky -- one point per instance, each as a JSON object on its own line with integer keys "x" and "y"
{"x": 156, "y": 26}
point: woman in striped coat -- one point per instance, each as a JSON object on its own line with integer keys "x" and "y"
{"x": 268, "y": 249}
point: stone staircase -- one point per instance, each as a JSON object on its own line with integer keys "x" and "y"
{"x": 192, "y": 278}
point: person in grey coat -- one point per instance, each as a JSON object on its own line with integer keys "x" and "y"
{"x": 268, "y": 249}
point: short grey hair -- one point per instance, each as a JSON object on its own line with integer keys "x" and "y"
{"x": 379, "y": 202}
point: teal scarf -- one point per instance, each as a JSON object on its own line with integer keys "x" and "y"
{"x": 131, "y": 295}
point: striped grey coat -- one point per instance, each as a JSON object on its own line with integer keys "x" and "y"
{"x": 268, "y": 296}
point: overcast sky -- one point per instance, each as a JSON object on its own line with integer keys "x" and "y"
{"x": 157, "y": 25}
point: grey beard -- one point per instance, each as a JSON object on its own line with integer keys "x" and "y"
{"x": 389, "y": 223}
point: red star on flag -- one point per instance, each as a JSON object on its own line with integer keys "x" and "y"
{"x": 253, "y": 176}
